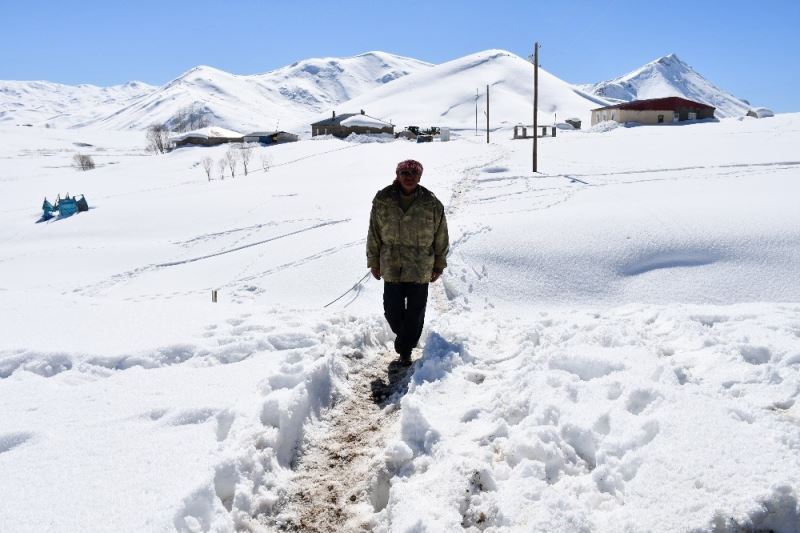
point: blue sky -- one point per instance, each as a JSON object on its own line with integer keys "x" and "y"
{"x": 749, "y": 49}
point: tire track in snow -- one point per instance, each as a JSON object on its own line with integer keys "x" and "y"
{"x": 679, "y": 169}
{"x": 129, "y": 275}
{"x": 298, "y": 262}
{"x": 249, "y": 245}
{"x": 716, "y": 172}
{"x": 194, "y": 181}
{"x": 260, "y": 206}
{"x": 249, "y": 229}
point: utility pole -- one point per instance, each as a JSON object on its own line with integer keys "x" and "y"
{"x": 487, "y": 114}
{"x": 535, "y": 102}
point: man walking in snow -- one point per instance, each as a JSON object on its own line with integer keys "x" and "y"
{"x": 407, "y": 246}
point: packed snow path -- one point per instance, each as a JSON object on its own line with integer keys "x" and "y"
{"x": 340, "y": 476}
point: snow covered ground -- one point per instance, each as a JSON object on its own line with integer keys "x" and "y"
{"x": 615, "y": 345}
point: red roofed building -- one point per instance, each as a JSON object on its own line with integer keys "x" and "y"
{"x": 654, "y": 111}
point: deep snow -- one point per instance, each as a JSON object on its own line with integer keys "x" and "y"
{"x": 614, "y": 346}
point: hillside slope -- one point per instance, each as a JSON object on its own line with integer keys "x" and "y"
{"x": 669, "y": 76}
{"x": 446, "y": 94}
{"x": 45, "y": 103}
{"x": 284, "y": 98}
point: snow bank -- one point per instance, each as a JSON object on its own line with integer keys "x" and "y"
{"x": 585, "y": 230}
{"x": 604, "y": 126}
{"x": 324, "y": 138}
{"x": 219, "y": 418}
{"x": 761, "y": 112}
{"x": 615, "y": 421}
{"x": 370, "y": 138}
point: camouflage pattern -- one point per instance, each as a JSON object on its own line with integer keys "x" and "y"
{"x": 407, "y": 246}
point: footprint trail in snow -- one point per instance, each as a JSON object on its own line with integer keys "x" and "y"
{"x": 341, "y": 478}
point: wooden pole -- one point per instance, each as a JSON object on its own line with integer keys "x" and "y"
{"x": 476, "y": 111}
{"x": 214, "y": 296}
{"x": 487, "y": 114}
{"x": 535, "y": 102}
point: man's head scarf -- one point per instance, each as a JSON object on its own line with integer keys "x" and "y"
{"x": 410, "y": 165}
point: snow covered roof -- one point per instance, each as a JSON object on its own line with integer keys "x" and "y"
{"x": 365, "y": 122}
{"x": 208, "y": 133}
{"x": 264, "y": 133}
{"x": 670, "y": 102}
{"x": 353, "y": 119}
{"x": 333, "y": 121}
{"x": 761, "y": 112}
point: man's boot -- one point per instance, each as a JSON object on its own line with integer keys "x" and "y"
{"x": 405, "y": 358}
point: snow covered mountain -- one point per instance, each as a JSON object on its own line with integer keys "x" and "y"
{"x": 284, "y": 98}
{"x": 446, "y": 94}
{"x": 59, "y": 105}
{"x": 287, "y": 96}
{"x": 669, "y": 76}
{"x": 292, "y": 96}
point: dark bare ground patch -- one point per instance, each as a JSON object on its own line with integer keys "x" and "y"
{"x": 341, "y": 459}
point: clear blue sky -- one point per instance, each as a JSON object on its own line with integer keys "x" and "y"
{"x": 750, "y": 49}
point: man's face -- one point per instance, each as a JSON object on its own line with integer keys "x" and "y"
{"x": 408, "y": 180}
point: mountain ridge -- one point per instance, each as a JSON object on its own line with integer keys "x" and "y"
{"x": 668, "y": 76}
{"x": 292, "y": 96}
{"x": 447, "y": 93}
{"x": 282, "y": 95}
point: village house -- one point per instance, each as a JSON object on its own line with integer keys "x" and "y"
{"x": 760, "y": 112}
{"x": 343, "y": 125}
{"x": 209, "y": 136}
{"x": 271, "y": 137}
{"x": 667, "y": 110}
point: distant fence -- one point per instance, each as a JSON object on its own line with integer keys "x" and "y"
{"x": 526, "y": 132}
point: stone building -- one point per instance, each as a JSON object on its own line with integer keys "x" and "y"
{"x": 667, "y": 110}
{"x": 271, "y": 137}
{"x": 209, "y": 136}
{"x": 343, "y": 125}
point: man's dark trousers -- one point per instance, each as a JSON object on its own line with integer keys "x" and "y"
{"x": 404, "y": 307}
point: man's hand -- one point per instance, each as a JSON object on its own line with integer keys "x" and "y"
{"x": 435, "y": 275}
{"x": 376, "y": 272}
